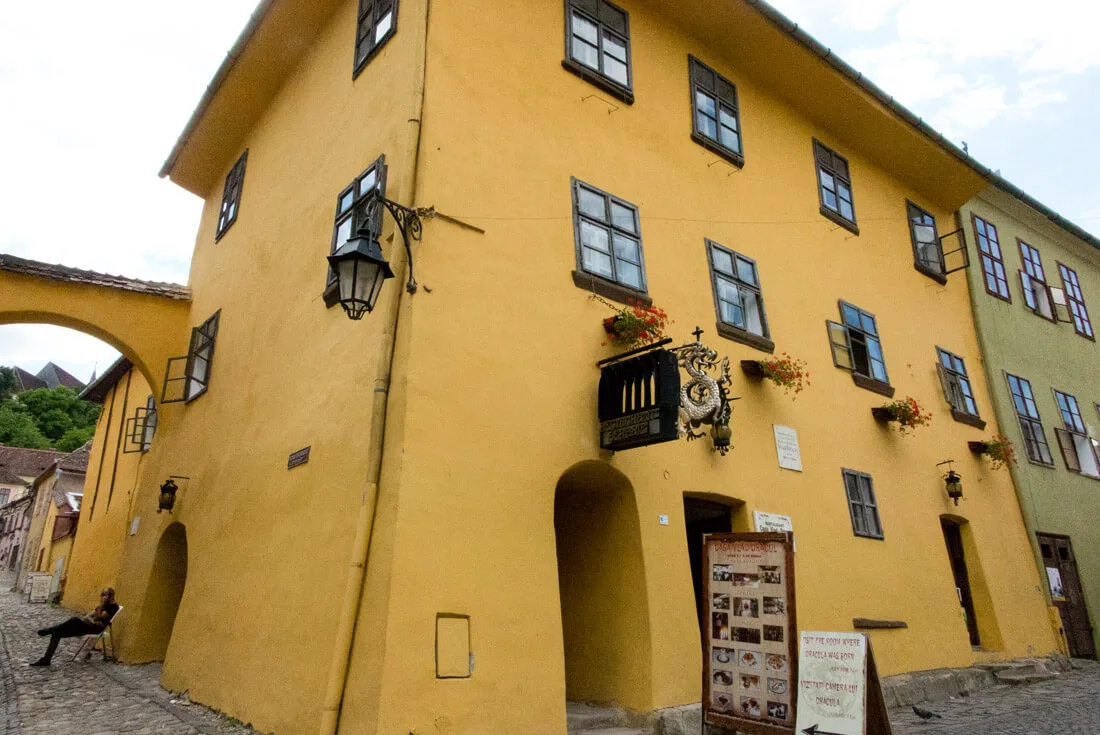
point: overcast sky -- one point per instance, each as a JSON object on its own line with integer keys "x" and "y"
{"x": 94, "y": 95}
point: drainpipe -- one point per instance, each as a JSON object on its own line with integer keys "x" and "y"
{"x": 364, "y": 527}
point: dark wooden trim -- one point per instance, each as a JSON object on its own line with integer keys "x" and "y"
{"x": 609, "y": 290}
{"x": 831, "y": 215}
{"x": 236, "y": 176}
{"x": 937, "y": 277}
{"x": 969, "y": 419}
{"x": 746, "y": 338}
{"x": 599, "y": 81}
{"x": 869, "y": 624}
{"x": 331, "y": 294}
{"x": 1046, "y": 283}
{"x": 737, "y": 159}
{"x": 118, "y": 445}
{"x": 977, "y": 246}
{"x": 875, "y": 386}
{"x": 103, "y": 449}
{"x": 1069, "y": 298}
{"x": 358, "y": 66}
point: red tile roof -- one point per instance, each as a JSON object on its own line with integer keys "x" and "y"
{"x": 27, "y": 462}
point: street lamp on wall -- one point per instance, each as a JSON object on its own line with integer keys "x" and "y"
{"x": 952, "y": 481}
{"x": 168, "y": 490}
{"x": 359, "y": 264}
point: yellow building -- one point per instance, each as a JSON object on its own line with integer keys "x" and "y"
{"x": 409, "y": 517}
{"x": 57, "y": 494}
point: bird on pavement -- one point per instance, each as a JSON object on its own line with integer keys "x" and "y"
{"x": 925, "y": 714}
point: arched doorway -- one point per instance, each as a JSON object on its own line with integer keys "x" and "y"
{"x": 602, "y": 581}
{"x": 164, "y": 592}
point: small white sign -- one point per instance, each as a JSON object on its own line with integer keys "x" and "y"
{"x": 40, "y": 587}
{"x": 786, "y": 447}
{"x": 134, "y": 525}
{"x": 774, "y": 523}
{"x": 832, "y": 683}
{"x": 662, "y": 519}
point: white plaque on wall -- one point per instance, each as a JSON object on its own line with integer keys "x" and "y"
{"x": 786, "y": 447}
{"x": 773, "y": 523}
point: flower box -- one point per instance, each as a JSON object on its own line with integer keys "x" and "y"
{"x": 753, "y": 369}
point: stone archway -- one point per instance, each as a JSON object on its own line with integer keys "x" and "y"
{"x": 147, "y": 322}
{"x": 602, "y": 581}
{"x": 163, "y": 594}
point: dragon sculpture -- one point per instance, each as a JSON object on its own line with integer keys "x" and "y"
{"x": 704, "y": 400}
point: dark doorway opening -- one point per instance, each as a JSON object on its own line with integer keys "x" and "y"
{"x": 702, "y": 517}
{"x": 1065, "y": 593}
{"x": 953, "y": 537}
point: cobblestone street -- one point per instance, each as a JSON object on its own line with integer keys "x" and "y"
{"x": 83, "y": 698}
{"x": 1068, "y": 705}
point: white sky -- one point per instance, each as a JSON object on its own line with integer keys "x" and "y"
{"x": 94, "y": 95}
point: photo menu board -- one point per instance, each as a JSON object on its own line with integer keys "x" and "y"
{"x": 750, "y": 669}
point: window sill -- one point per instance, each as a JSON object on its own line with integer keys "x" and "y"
{"x": 969, "y": 419}
{"x": 869, "y": 624}
{"x": 875, "y": 386}
{"x": 936, "y": 276}
{"x": 869, "y": 536}
{"x": 829, "y": 214}
{"x": 609, "y": 290}
{"x": 746, "y": 338}
{"x": 596, "y": 79}
{"x": 219, "y": 235}
{"x": 1050, "y": 319}
{"x": 1041, "y": 464}
{"x": 718, "y": 149}
{"x": 331, "y": 294}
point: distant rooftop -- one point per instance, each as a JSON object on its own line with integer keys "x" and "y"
{"x": 12, "y": 264}
{"x": 27, "y": 462}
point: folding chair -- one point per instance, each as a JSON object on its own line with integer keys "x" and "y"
{"x": 103, "y": 639}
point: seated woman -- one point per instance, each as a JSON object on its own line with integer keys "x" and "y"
{"x": 78, "y": 626}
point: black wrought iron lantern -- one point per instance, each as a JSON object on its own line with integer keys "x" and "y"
{"x": 953, "y": 481}
{"x": 168, "y": 496}
{"x": 721, "y": 434}
{"x": 360, "y": 271}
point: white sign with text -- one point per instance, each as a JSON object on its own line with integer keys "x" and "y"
{"x": 773, "y": 523}
{"x": 832, "y": 684}
{"x": 786, "y": 448}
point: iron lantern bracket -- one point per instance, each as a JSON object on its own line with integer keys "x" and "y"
{"x": 409, "y": 224}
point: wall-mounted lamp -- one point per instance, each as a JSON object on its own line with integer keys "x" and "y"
{"x": 359, "y": 264}
{"x": 952, "y": 481}
{"x": 168, "y": 492}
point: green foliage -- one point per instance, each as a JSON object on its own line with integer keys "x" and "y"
{"x": 7, "y": 383}
{"x": 17, "y": 429}
{"x": 45, "y": 418}
{"x": 74, "y": 439}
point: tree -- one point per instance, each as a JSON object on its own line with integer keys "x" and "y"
{"x": 17, "y": 429}
{"x": 74, "y": 439}
{"x": 7, "y": 383}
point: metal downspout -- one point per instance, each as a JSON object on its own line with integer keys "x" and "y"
{"x": 364, "y": 527}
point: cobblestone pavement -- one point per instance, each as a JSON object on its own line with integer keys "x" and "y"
{"x": 1068, "y": 705}
{"x": 83, "y": 698}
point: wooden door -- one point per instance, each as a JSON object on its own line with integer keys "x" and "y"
{"x": 1065, "y": 592}
{"x": 953, "y": 537}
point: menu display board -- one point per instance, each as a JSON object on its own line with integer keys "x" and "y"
{"x": 750, "y": 669}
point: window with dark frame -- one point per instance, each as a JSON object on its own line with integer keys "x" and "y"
{"x": 927, "y": 251}
{"x": 956, "y": 383}
{"x": 1078, "y": 449}
{"x": 377, "y": 23}
{"x": 353, "y": 211}
{"x": 737, "y": 297}
{"x": 1076, "y": 302}
{"x": 141, "y": 427}
{"x": 856, "y": 347}
{"x": 1034, "y": 282}
{"x": 608, "y": 237}
{"x": 1031, "y": 426}
{"x": 993, "y": 263}
{"x": 834, "y": 187}
{"x": 195, "y": 375}
{"x": 716, "y": 123}
{"x": 231, "y": 196}
{"x": 597, "y": 46}
{"x": 860, "y": 491}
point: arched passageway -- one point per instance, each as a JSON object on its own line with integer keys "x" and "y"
{"x": 163, "y": 593}
{"x": 601, "y": 575}
{"x": 147, "y": 322}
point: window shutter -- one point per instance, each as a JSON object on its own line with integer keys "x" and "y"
{"x": 1069, "y": 450}
{"x": 1029, "y": 294}
{"x": 173, "y": 389}
{"x": 951, "y": 389}
{"x": 823, "y": 155}
{"x": 841, "y": 345}
{"x": 855, "y": 508}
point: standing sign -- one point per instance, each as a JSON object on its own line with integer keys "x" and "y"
{"x": 40, "y": 587}
{"x": 838, "y": 687}
{"x": 750, "y": 658}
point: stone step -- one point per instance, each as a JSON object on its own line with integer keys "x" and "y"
{"x": 587, "y": 718}
{"x": 996, "y": 667}
{"x": 1024, "y": 677}
{"x": 616, "y": 731}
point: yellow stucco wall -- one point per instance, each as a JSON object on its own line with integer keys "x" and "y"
{"x": 110, "y": 487}
{"x": 492, "y": 393}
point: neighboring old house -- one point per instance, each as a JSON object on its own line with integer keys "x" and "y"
{"x": 56, "y": 507}
{"x": 12, "y": 486}
{"x": 15, "y": 519}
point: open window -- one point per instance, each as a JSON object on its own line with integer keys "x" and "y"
{"x": 856, "y": 348}
{"x": 957, "y": 389}
{"x": 1033, "y": 281}
{"x": 141, "y": 427}
{"x": 188, "y": 377}
{"x": 1078, "y": 448}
